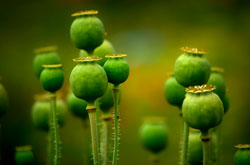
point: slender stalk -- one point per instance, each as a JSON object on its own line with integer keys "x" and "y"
{"x": 54, "y": 132}
{"x": 91, "y": 108}
{"x": 184, "y": 143}
{"x": 98, "y": 130}
{"x": 105, "y": 139}
{"x": 218, "y": 143}
{"x": 86, "y": 142}
{"x": 205, "y": 138}
{"x": 116, "y": 125}
{"x": 155, "y": 159}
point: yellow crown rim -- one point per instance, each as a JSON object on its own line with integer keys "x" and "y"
{"x": 115, "y": 55}
{"x": 242, "y": 146}
{"x": 87, "y": 59}
{"x": 45, "y": 49}
{"x": 85, "y": 13}
{"x": 200, "y": 88}
{"x": 187, "y": 49}
{"x": 52, "y": 66}
{"x": 24, "y": 148}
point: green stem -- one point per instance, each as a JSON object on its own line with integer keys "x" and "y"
{"x": 218, "y": 142}
{"x": 98, "y": 130}
{"x": 105, "y": 139}
{"x": 155, "y": 160}
{"x": 116, "y": 126}
{"x": 54, "y": 132}
{"x": 184, "y": 143}
{"x": 205, "y": 138}
{"x": 91, "y": 108}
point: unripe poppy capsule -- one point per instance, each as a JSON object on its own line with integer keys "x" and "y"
{"x": 87, "y": 31}
{"x": 52, "y": 77}
{"x": 88, "y": 80}
{"x": 45, "y": 56}
{"x": 154, "y": 136}
{"x": 192, "y": 68}
{"x": 24, "y": 155}
{"x": 3, "y": 100}
{"x": 174, "y": 92}
{"x": 117, "y": 68}
{"x": 242, "y": 156}
{"x": 202, "y": 109}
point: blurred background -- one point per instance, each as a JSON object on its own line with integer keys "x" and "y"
{"x": 151, "y": 33}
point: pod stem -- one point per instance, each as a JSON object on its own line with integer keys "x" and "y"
{"x": 116, "y": 124}
{"x": 218, "y": 144}
{"x": 91, "y": 108}
{"x": 205, "y": 138}
{"x": 184, "y": 143}
{"x": 54, "y": 132}
{"x": 105, "y": 141}
{"x": 155, "y": 159}
{"x": 98, "y": 131}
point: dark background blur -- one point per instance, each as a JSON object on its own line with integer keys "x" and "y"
{"x": 151, "y": 33}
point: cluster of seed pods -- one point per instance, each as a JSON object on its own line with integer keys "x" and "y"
{"x": 199, "y": 91}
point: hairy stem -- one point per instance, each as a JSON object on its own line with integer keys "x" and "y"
{"x": 91, "y": 108}
{"x": 98, "y": 131}
{"x": 218, "y": 143}
{"x": 116, "y": 125}
{"x": 205, "y": 138}
{"x": 54, "y": 132}
{"x": 184, "y": 143}
{"x": 106, "y": 139}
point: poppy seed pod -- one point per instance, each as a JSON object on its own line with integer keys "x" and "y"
{"x": 3, "y": 100}
{"x": 52, "y": 77}
{"x": 45, "y": 56}
{"x": 174, "y": 92}
{"x": 225, "y": 101}
{"x": 192, "y": 68}
{"x": 77, "y": 106}
{"x": 202, "y": 109}
{"x": 117, "y": 68}
{"x": 24, "y": 155}
{"x": 87, "y": 31}
{"x": 40, "y": 113}
{"x": 154, "y": 136}
{"x": 217, "y": 80}
{"x": 88, "y": 80}
{"x": 242, "y": 156}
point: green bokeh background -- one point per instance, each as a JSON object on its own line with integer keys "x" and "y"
{"x": 151, "y": 33}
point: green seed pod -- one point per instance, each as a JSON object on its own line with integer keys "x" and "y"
{"x": 24, "y": 155}
{"x": 202, "y": 109}
{"x": 195, "y": 150}
{"x": 45, "y": 56}
{"x": 225, "y": 102}
{"x": 52, "y": 77}
{"x": 117, "y": 68}
{"x": 191, "y": 68}
{"x": 3, "y": 100}
{"x": 242, "y": 156}
{"x": 40, "y": 113}
{"x": 217, "y": 80}
{"x": 154, "y": 136}
{"x": 106, "y": 102}
{"x": 174, "y": 92}
{"x": 87, "y": 31}
{"x": 77, "y": 106}
{"x": 88, "y": 79}
{"x": 104, "y": 49}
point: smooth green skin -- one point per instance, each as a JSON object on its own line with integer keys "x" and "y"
{"x": 106, "y": 102}
{"x": 87, "y": 32}
{"x": 52, "y": 79}
{"x": 4, "y": 101}
{"x": 242, "y": 157}
{"x": 154, "y": 136}
{"x": 117, "y": 70}
{"x": 40, "y": 113}
{"x": 104, "y": 49}
{"x": 45, "y": 58}
{"x": 77, "y": 106}
{"x": 218, "y": 81}
{"x": 195, "y": 149}
{"x": 174, "y": 92}
{"x": 202, "y": 110}
{"x": 225, "y": 101}
{"x": 191, "y": 69}
{"x": 88, "y": 81}
{"x": 24, "y": 157}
